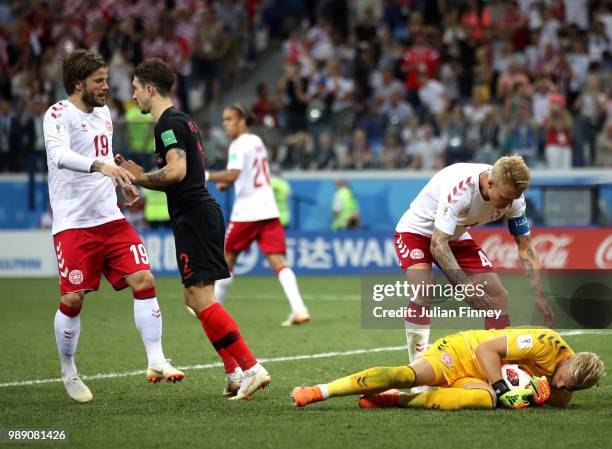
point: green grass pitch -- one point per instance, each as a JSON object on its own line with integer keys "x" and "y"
{"x": 129, "y": 412}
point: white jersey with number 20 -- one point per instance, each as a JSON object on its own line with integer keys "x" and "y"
{"x": 254, "y": 196}
{"x": 79, "y": 200}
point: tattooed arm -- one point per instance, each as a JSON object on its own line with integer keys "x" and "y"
{"x": 444, "y": 257}
{"x": 175, "y": 170}
{"x": 530, "y": 263}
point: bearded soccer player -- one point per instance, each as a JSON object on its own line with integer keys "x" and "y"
{"x": 435, "y": 229}
{"x": 91, "y": 236}
{"x": 197, "y": 223}
{"x": 467, "y": 367}
{"x": 255, "y": 215}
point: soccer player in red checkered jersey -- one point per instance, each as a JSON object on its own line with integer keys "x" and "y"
{"x": 90, "y": 234}
{"x": 255, "y": 215}
{"x": 435, "y": 229}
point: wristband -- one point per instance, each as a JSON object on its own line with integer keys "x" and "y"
{"x": 500, "y": 387}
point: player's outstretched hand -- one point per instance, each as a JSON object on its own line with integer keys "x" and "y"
{"x": 119, "y": 175}
{"x": 131, "y": 194}
{"x": 132, "y": 167}
{"x": 541, "y": 389}
{"x": 547, "y": 313}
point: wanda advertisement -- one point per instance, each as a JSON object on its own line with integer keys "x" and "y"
{"x": 557, "y": 248}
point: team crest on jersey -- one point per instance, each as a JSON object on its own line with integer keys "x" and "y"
{"x": 76, "y": 277}
{"x": 447, "y": 359}
{"x": 109, "y": 126}
{"x": 416, "y": 254}
{"x": 83, "y": 126}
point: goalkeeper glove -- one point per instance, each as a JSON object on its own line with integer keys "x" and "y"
{"x": 541, "y": 389}
{"x": 514, "y": 399}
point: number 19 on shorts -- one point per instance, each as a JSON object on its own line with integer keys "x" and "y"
{"x": 140, "y": 254}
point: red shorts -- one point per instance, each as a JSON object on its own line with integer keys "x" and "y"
{"x": 414, "y": 248}
{"x": 113, "y": 248}
{"x": 270, "y": 236}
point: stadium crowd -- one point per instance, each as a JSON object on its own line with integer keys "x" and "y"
{"x": 403, "y": 84}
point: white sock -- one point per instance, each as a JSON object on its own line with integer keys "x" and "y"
{"x": 418, "y": 338}
{"x": 324, "y": 390}
{"x": 288, "y": 281}
{"x": 67, "y": 331}
{"x": 147, "y": 316}
{"x": 221, "y": 287}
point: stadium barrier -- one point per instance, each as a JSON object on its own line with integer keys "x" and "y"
{"x": 31, "y": 253}
{"x": 588, "y": 190}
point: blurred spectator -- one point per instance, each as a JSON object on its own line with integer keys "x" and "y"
{"x": 392, "y": 155}
{"x": 384, "y": 84}
{"x": 10, "y": 135}
{"x": 522, "y": 136}
{"x": 345, "y": 208}
{"x": 603, "y": 147}
{"x": 558, "y": 145}
{"x": 432, "y": 95}
{"x": 590, "y": 106}
{"x": 139, "y": 129}
{"x": 360, "y": 154}
{"x": 397, "y": 110}
{"x": 33, "y": 129}
{"x": 210, "y": 47}
{"x": 215, "y": 146}
{"x": 326, "y": 155}
{"x": 292, "y": 97}
{"x": 282, "y": 194}
{"x": 419, "y": 57}
{"x": 427, "y": 152}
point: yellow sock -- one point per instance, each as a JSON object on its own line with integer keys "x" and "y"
{"x": 449, "y": 399}
{"x": 373, "y": 380}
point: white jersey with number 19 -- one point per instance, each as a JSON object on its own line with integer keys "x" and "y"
{"x": 254, "y": 196}
{"x": 79, "y": 200}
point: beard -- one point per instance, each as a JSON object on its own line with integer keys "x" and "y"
{"x": 91, "y": 101}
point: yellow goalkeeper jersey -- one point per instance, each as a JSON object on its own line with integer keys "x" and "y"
{"x": 537, "y": 350}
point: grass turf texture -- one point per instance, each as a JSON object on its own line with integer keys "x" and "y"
{"x": 129, "y": 412}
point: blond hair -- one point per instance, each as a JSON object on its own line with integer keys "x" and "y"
{"x": 512, "y": 171}
{"x": 586, "y": 368}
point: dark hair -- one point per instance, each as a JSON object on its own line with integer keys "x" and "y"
{"x": 78, "y": 65}
{"x": 157, "y": 73}
{"x": 243, "y": 112}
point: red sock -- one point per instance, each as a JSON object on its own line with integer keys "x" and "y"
{"x": 414, "y": 314}
{"x": 497, "y": 323}
{"x": 229, "y": 363}
{"x": 223, "y": 333}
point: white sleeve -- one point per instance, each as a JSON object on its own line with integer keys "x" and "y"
{"x": 235, "y": 158}
{"x": 57, "y": 143}
{"x": 449, "y": 207}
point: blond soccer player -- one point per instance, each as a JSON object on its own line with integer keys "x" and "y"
{"x": 467, "y": 367}
{"x": 436, "y": 230}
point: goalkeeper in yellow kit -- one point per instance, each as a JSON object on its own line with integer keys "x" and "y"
{"x": 467, "y": 367}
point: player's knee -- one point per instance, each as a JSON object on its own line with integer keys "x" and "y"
{"x": 143, "y": 280}
{"x": 74, "y": 299}
{"x": 276, "y": 261}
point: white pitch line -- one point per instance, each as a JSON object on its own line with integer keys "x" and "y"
{"x": 292, "y": 358}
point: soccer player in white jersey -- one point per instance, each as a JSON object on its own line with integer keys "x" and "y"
{"x": 435, "y": 229}
{"x": 91, "y": 236}
{"x": 255, "y": 214}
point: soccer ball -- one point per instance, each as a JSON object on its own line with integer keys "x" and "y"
{"x": 515, "y": 376}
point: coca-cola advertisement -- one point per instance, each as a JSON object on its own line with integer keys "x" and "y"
{"x": 557, "y": 248}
